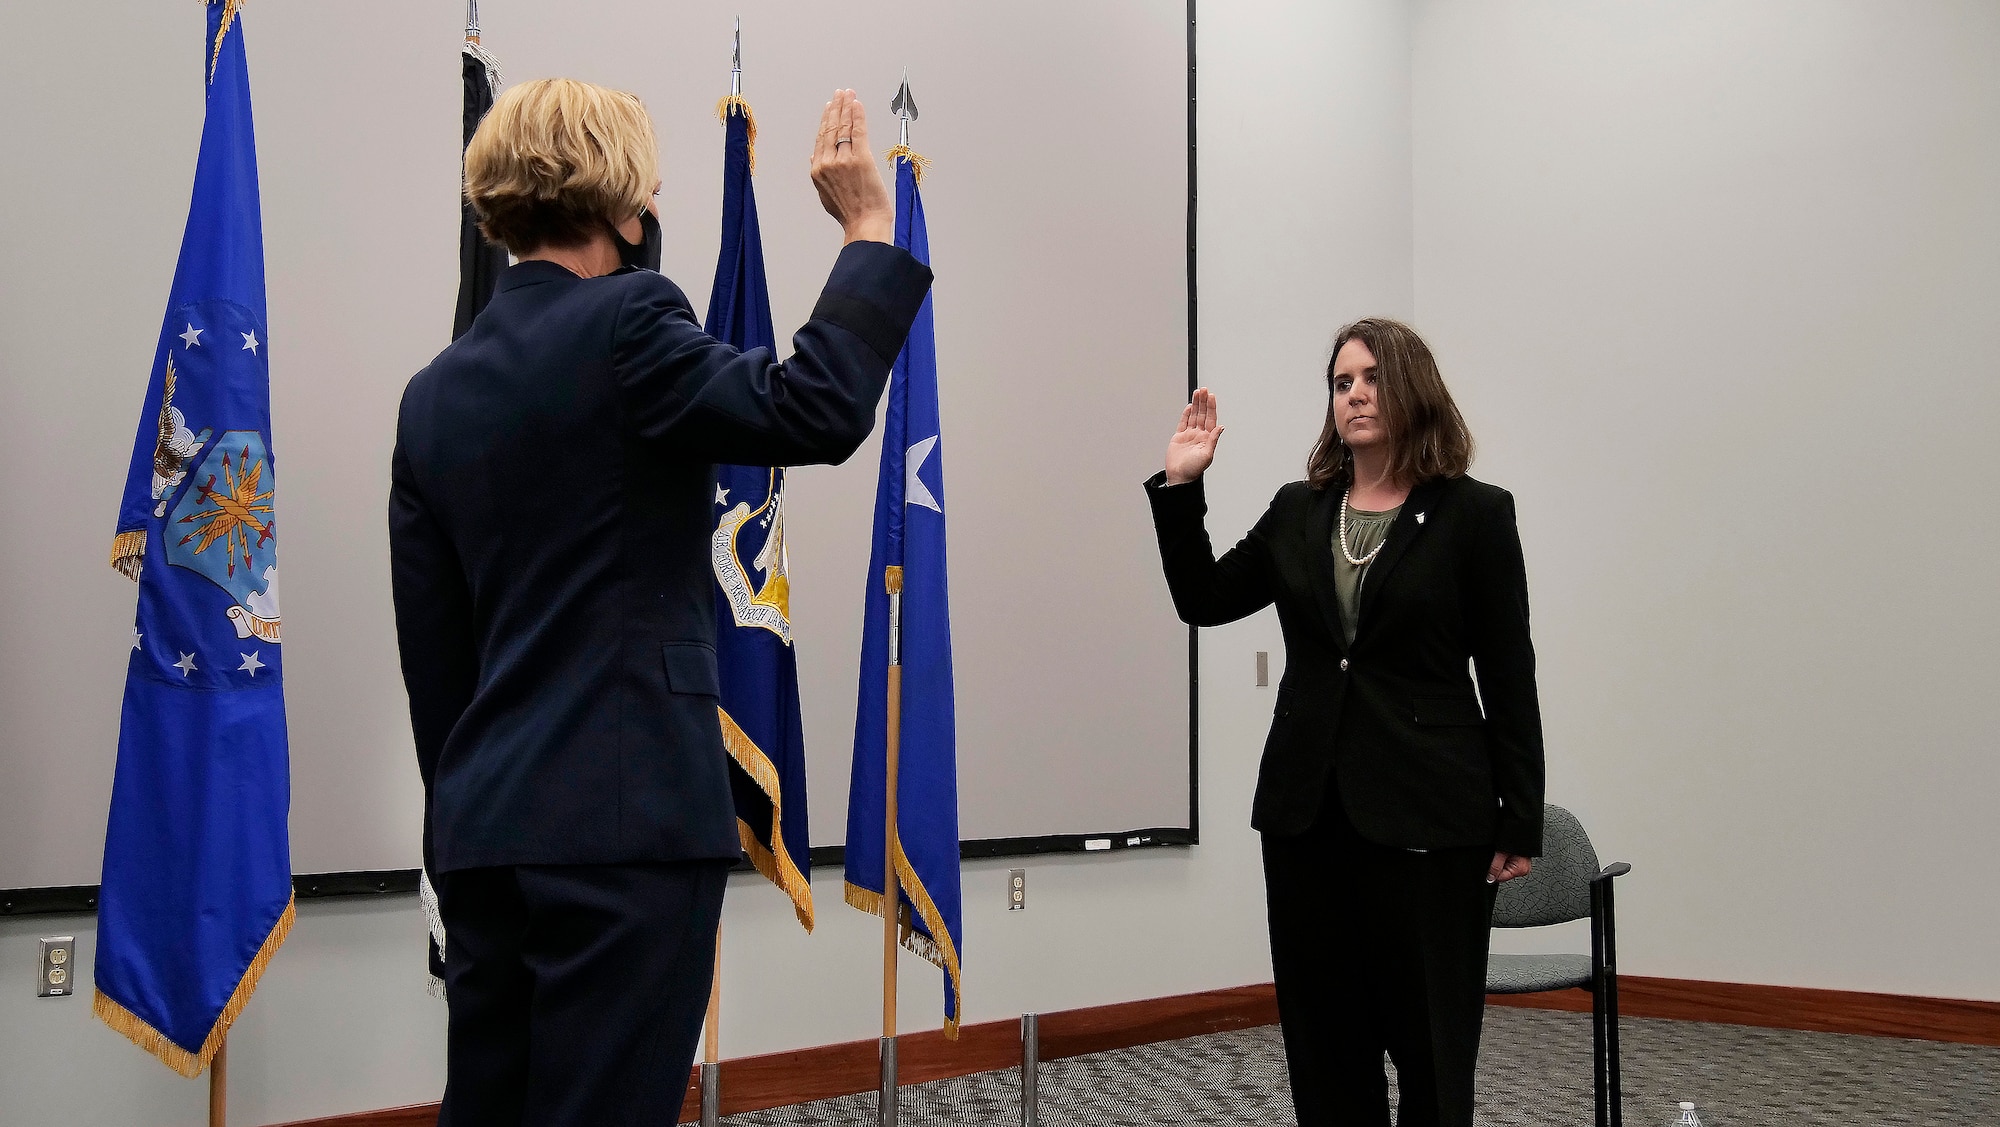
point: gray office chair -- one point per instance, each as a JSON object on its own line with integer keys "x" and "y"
{"x": 1567, "y": 885}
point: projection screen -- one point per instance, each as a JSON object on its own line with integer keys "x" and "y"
{"x": 1057, "y": 202}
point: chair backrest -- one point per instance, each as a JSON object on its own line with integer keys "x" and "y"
{"x": 1557, "y": 890}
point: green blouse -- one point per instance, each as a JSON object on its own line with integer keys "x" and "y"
{"x": 1365, "y": 530}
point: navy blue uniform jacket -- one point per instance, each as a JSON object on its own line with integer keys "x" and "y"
{"x": 550, "y": 508}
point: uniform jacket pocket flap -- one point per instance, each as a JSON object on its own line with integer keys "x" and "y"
{"x": 691, "y": 669}
{"x": 1447, "y": 710}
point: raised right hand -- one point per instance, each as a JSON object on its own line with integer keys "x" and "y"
{"x": 1192, "y": 448}
{"x": 846, "y": 174}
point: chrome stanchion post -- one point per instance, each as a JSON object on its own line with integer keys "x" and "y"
{"x": 1031, "y": 1053}
{"x": 711, "y": 1094}
{"x": 886, "y": 1101}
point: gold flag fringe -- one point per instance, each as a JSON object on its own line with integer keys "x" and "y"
{"x": 775, "y": 863}
{"x": 735, "y": 102}
{"x": 128, "y": 552}
{"x": 919, "y": 164}
{"x": 229, "y": 10}
{"x": 937, "y": 947}
{"x": 173, "y": 1056}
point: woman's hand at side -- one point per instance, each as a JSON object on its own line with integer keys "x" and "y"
{"x": 846, "y": 175}
{"x": 1192, "y": 447}
{"x": 1507, "y": 866}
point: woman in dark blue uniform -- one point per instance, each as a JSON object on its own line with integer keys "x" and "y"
{"x": 1392, "y": 795}
{"x": 549, "y": 517}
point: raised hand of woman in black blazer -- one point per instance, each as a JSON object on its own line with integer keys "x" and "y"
{"x": 1192, "y": 447}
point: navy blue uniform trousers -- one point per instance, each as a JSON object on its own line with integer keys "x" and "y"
{"x": 576, "y": 992}
{"x": 1377, "y": 949}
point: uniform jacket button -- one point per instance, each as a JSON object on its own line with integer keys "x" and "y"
{"x": 1343, "y": 665}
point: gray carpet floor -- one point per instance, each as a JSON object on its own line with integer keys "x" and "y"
{"x": 1534, "y": 1069}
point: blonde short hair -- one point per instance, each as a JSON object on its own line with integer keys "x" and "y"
{"x": 557, "y": 159}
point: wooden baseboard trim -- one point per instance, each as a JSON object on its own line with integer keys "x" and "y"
{"x": 780, "y": 1079}
{"x": 802, "y": 1075}
{"x": 1787, "y": 1007}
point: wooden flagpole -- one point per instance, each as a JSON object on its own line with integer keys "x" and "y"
{"x": 712, "y": 1031}
{"x": 892, "y": 899}
{"x": 891, "y": 891}
{"x": 218, "y": 1086}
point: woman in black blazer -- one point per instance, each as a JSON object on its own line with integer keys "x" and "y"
{"x": 1392, "y": 796}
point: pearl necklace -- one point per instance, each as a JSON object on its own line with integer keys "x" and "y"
{"x": 1364, "y": 561}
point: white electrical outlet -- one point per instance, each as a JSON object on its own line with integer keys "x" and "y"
{"x": 58, "y": 976}
{"x": 1017, "y": 890}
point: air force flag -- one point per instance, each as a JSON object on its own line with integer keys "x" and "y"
{"x": 197, "y": 889}
{"x": 909, "y": 557}
{"x": 753, "y": 644}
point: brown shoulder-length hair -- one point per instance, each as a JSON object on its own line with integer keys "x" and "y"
{"x": 1426, "y": 433}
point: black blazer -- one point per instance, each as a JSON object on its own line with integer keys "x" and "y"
{"x": 1419, "y": 765}
{"x": 550, "y": 507}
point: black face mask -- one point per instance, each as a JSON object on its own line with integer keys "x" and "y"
{"x": 644, "y": 254}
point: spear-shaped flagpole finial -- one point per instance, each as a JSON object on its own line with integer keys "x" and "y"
{"x": 472, "y": 21}
{"x": 905, "y": 108}
{"x": 736, "y": 63}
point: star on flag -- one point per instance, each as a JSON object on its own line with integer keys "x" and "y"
{"x": 193, "y": 336}
{"x": 915, "y": 492}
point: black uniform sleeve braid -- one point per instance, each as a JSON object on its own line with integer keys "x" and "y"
{"x": 1504, "y": 660}
{"x": 1208, "y": 591}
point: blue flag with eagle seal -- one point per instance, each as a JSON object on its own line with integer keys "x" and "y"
{"x": 909, "y": 554}
{"x": 197, "y": 886}
{"x": 753, "y": 643}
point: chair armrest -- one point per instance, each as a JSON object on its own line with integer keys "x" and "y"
{"x": 1615, "y": 869}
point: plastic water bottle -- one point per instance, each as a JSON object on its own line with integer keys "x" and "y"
{"x": 1685, "y": 1117}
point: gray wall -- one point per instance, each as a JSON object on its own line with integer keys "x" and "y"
{"x": 1717, "y": 283}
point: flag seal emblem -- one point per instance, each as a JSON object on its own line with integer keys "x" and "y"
{"x": 766, "y": 605}
{"x": 228, "y": 533}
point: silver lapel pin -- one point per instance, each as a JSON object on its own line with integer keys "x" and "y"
{"x": 1420, "y": 518}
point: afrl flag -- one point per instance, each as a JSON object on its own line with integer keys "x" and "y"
{"x": 753, "y": 606}
{"x": 909, "y": 556}
{"x": 197, "y": 891}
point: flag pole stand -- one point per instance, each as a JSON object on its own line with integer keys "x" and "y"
{"x": 892, "y": 899}
{"x": 218, "y": 1086}
{"x": 1031, "y": 1060}
{"x": 711, "y": 1044}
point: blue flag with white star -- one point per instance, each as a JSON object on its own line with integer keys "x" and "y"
{"x": 909, "y": 557}
{"x": 197, "y": 887}
{"x": 753, "y": 603}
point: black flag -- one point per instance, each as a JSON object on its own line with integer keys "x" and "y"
{"x": 479, "y": 261}
{"x": 479, "y": 267}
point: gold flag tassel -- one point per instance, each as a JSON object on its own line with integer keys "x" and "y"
{"x": 937, "y": 948}
{"x": 229, "y": 10}
{"x": 776, "y": 863}
{"x": 735, "y": 103}
{"x": 128, "y": 553}
{"x": 919, "y": 164}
